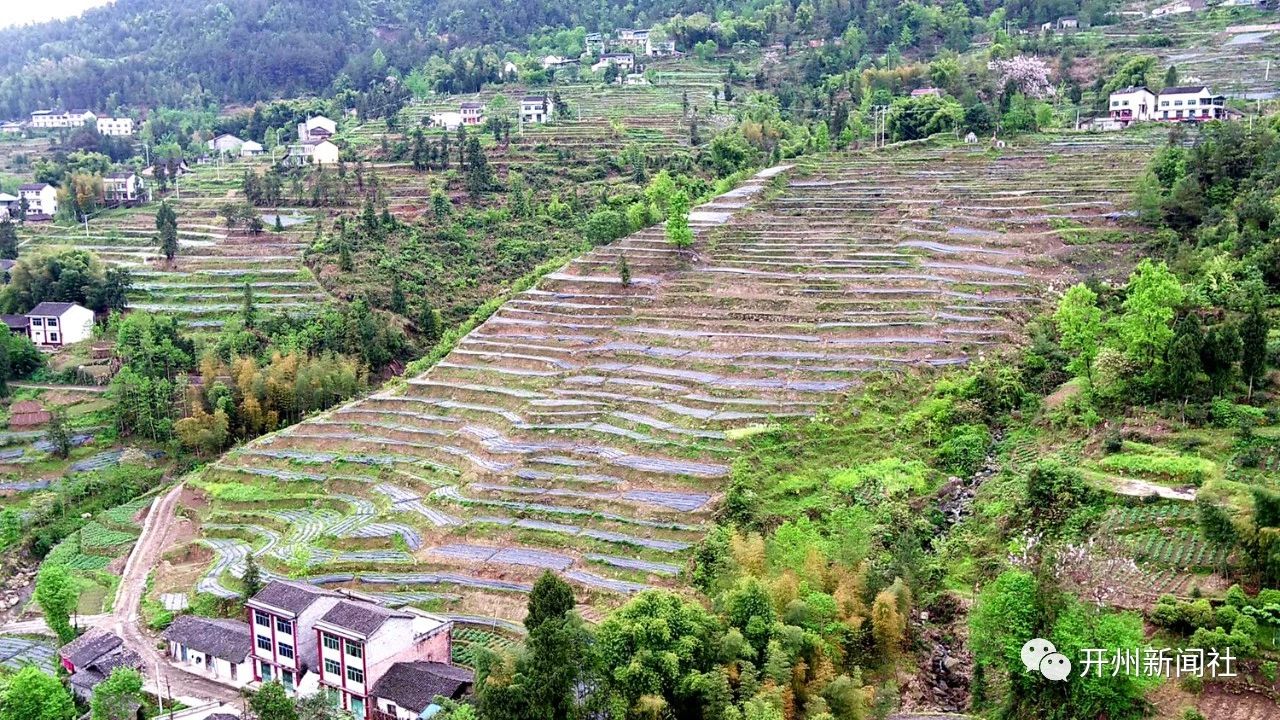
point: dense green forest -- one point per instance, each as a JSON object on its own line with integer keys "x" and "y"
{"x": 137, "y": 54}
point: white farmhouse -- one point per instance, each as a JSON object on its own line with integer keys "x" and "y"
{"x": 551, "y": 62}
{"x": 448, "y": 120}
{"x": 225, "y": 143}
{"x": 115, "y": 127}
{"x": 316, "y": 128}
{"x": 42, "y": 200}
{"x": 9, "y": 205}
{"x": 1191, "y": 102}
{"x": 534, "y": 109}
{"x": 65, "y": 119}
{"x": 54, "y": 324}
{"x": 214, "y": 648}
{"x": 1132, "y": 104}
{"x": 472, "y": 113}
{"x": 122, "y": 188}
{"x": 250, "y": 149}
{"x": 1179, "y": 7}
{"x": 623, "y": 61}
{"x": 10, "y": 128}
{"x": 633, "y": 38}
{"x": 317, "y": 152}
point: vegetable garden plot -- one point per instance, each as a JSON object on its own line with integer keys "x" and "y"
{"x": 17, "y": 652}
{"x": 581, "y": 394}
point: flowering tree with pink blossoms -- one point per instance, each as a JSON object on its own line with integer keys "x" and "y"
{"x": 1030, "y": 75}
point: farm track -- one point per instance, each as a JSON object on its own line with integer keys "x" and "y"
{"x": 126, "y": 616}
{"x": 584, "y": 427}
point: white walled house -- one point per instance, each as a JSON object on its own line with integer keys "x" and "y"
{"x": 632, "y": 38}
{"x": 316, "y": 128}
{"x": 534, "y": 109}
{"x": 317, "y": 152}
{"x": 472, "y": 113}
{"x": 225, "y": 143}
{"x": 1132, "y": 104}
{"x": 10, "y": 128}
{"x": 1190, "y": 102}
{"x": 64, "y": 119}
{"x": 115, "y": 127}
{"x": 448, "y": 120}
{"x": 624, "y": 61}
{"x": 9, "y": 205}
{"x": 42, "y": 200}
{"x": 250, "y": 149}
{"x": 215, "y": 648}
{"x": 122, "y": 188}
{"x": 54, "y": 324}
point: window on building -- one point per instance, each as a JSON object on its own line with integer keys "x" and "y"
{"x": 261, "y": 618}
{"x": 286, "y": 679}
{"x": 286, "y": 650}
{"x": 357, "y": 706}
{"x": 38, "y": 322}
{"x": 330, "y": 641}
{"x": 284, "y": 626}
{"x": 331, "y": 667}
{"x": 264, "y": 643}
{"x": 355, "y": 649}
{"x": 53, "y": 337}
{"x": 53, "y": 322}
{"x": 265, "y": 671}
{"x": 355, "y": 675}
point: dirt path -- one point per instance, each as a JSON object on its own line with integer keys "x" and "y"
{"x": 127, "y": 617}
{"x": 50, "y": 386}
{"x": 37, "y": 626}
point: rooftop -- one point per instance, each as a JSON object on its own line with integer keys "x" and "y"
{"x": 1184, "y": 89}
{"x": 52, "y": 309}
{"x": 287, "y": 595}
{"x": 225, "y": 639}
{"x": 413, "y": 685}
{"x": 87, "y": 648}
{"x": 362, "y": 618}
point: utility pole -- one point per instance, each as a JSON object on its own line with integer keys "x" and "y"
{"x": 159, "y": 695}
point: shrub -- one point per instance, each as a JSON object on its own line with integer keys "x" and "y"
{"x": 1054, "y": 492}
{"x": 965, "y": 449}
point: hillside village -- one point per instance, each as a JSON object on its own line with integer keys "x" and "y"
{"x": 785, "y": 363}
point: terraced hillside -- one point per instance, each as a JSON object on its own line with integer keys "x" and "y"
{"x": 206, "y": 282}
{"x": 1209, "y": 49}
{"x": 587, "y": 426}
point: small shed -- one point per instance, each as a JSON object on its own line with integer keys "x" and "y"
{"x": 28, "y": 413}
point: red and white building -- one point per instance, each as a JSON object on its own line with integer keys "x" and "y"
{"x": 310, "y": 639}
{"x": 1132, "y": 104}
{"x": 1191, "y": 102}
{"x": 472, "y": 113}
{"x": 282, "y": 618}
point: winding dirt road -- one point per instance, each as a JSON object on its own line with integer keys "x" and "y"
{"x": 127, "y": 616}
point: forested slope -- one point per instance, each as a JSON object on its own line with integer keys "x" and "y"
{"x": 142, "y": 53}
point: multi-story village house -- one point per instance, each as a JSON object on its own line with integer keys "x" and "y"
{"x": 342, "y": 644}
{"x": 1191, "y": 102}
{"x": 115, "y": 126}
{"x": 41, "y": 200}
